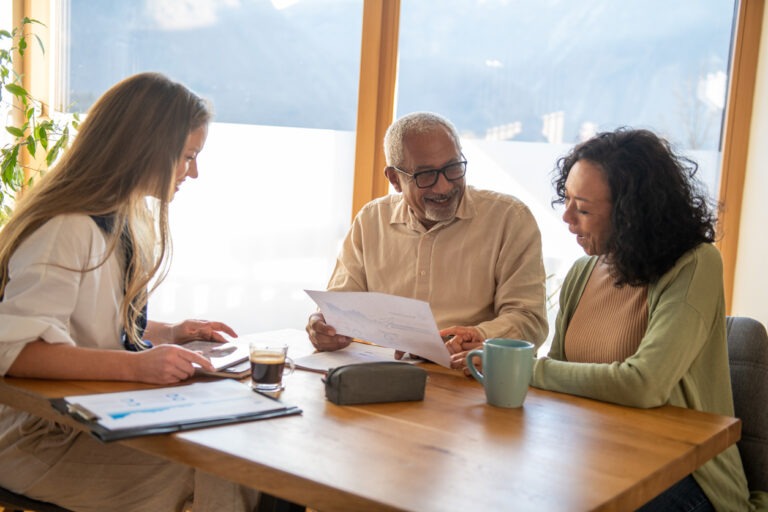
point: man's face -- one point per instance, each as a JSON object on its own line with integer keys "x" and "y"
{"x": 422, "y": 152}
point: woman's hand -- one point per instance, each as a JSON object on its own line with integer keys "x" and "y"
{"x": 163, "y": 364}
{"x": 167, "y": 364}
{"x": 188, "y": 330}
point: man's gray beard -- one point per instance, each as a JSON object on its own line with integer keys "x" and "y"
{"x": 438, "y": 214}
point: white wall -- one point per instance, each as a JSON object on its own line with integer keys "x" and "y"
{"x": 751, "y": 280}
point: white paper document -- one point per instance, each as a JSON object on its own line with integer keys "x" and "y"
{"x": 173, "y": 405}
{"x": 354, "y": 354}
{"x": 387, "y": 320}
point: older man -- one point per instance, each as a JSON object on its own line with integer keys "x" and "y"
{"x": 473, "y": 255}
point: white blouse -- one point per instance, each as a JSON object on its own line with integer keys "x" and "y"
{"x": 49, "y": 298}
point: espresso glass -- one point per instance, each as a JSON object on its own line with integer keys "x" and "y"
{"x": 268, "y": 362}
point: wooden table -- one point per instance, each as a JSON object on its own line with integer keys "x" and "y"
{"x": 449, "y": 452}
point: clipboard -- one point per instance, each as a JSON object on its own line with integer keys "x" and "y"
{"x": 126, "y": 414}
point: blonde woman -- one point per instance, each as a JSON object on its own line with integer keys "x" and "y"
{"x": 76, "y": 260}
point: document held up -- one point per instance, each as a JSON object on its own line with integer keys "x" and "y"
{"x": 387, "y": 320}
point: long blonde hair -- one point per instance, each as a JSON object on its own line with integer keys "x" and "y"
{"x": 126, "y": 149}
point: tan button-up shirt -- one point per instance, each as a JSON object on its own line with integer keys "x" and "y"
{"x": 483, "y": 268}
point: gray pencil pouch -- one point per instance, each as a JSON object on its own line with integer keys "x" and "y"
{"x": 368, "y": 383}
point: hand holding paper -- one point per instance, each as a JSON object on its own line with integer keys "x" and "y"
{"x": 387, "y": 320}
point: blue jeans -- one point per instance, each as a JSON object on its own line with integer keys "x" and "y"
{"x": 685, "y": 496}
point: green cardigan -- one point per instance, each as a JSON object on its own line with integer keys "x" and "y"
{"x": 682, "y": 359}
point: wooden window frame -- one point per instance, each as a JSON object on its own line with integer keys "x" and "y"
{"x": 376, "y": 98}
{"x": 736, "y": 128}
{"x": 34, "y": 69}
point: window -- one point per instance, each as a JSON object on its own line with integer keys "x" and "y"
{"x": 264, "y": 220}
{"x": 524, "y": 81}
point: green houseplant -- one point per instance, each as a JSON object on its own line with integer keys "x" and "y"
{"x": 36, "y": 140}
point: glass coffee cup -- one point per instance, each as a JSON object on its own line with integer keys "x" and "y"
{"x": 268, "y": 362}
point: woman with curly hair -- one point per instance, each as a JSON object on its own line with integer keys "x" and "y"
{"x": 642, "y": 316}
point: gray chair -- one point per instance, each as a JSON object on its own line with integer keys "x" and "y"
{"x": 748, "y": 354}
{"x": 12, "y": 502}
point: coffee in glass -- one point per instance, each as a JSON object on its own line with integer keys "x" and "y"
{"x": 268, "y": 361}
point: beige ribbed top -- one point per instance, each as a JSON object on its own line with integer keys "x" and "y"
{"x": 609, "y": 322}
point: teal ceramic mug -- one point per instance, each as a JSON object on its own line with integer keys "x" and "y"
{"x": 507, "y": 370}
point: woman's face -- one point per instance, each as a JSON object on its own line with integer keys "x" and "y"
{"x": 187, "y": 166}
{"x": 588, "y": 207}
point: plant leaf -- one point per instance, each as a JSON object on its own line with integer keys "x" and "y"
{"x": 9, "y": 164}
{"x": 16, "y": 90}
{"x": 42, "y": 135}
{"x": 27, "y": 20}
{"x": 31, "y": 145}
{"x": 53, "y": 153}
{"x": 16, "y": 132}
{"x": 40, "y": 43}
{"x": 50, "y": 157}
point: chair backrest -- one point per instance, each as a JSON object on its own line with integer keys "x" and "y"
{"x": 748, "y": 354}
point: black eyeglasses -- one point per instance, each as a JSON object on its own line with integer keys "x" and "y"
{"x": 426, "y": 179}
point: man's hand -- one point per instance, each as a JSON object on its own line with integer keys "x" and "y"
{"x": 399, "y": 355}
{"x": 323, "y": 336}
{"x": 463, "y": 339}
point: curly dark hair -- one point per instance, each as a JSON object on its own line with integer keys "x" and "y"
{"x": 660, "y": 210}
